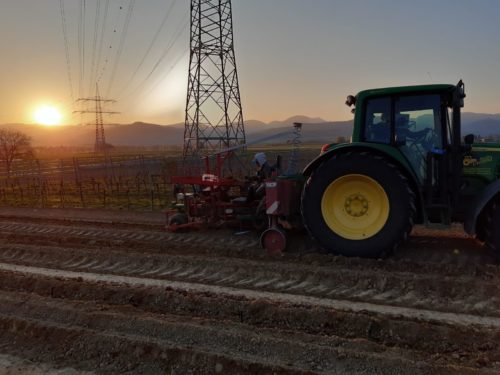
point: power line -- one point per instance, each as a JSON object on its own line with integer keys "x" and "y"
{"x": 121, "y": 44}
{"x": 158, "y": 82}
{"x": 101, "y": 42}
{"x": 182, "y": 26}
{"x": 83, "y": 35}
{"x": 94, "y": 42}
{"x": 80, "y": 47}
{"x": 155, "y": 37}
{"x": 99, "y": 63}
{"x": 66, "y": 49}
{"x": 110, "y": 46}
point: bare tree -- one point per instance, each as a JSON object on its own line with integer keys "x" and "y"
{"x": 13, "y": 145}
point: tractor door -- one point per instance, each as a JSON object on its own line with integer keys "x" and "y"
{"x": 420, "y": 134}
{"x": 416, "y": 125}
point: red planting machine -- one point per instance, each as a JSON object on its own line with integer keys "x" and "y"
{"x": 212, "y": 200}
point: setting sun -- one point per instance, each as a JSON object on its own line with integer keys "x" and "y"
{"x": 47, "y": 115}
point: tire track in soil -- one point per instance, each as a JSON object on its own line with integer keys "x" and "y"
{"x": 394, "y": 288}
{"x": 245, "y": 291}
{"x": 277, "y": 336}
{"x": 452, "y": 249}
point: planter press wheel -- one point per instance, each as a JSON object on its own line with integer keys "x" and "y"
{"x": 273, "y": 240}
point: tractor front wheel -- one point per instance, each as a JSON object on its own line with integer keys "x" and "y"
{"x": 358, "y": 204}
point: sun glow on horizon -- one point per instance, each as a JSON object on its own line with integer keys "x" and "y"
{"x": 47, "y": 115}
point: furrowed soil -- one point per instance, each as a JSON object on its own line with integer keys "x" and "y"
{"x": 108, "y": 292}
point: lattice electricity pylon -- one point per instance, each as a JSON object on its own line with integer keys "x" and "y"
{"x": 214, "y": 118}
{"x": 100, "y": 145}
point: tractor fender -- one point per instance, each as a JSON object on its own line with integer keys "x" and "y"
{"x": 478, "y": 206}
{"x": 380, "y": 149}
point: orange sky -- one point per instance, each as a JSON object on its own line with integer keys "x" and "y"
{"x": 294, "y": 56}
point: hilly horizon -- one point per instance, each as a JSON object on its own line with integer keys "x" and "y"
{"x": 146, "y": 134}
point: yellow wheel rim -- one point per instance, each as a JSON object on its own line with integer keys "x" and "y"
{"x": 355, "y": 207}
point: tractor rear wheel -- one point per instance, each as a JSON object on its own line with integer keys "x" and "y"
{"x": 491, "y": 232}
{"x": 358, "y": 204}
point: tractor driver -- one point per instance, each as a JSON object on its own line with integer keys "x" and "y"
{"x": 379, "y": 128}
{"x": 257, "y": 189}
{"x": 264, "y": 170}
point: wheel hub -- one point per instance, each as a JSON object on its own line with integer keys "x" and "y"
{"x": 356, "y": 205}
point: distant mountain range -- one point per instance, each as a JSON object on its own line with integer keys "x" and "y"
{"x": 144, "y": 134}
{"x": 482, "y": 126}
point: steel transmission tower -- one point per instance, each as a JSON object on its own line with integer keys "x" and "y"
{"x": 100, "y": 145}
{"x": 214, "y": 118}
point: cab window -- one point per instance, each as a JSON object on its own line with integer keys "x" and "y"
{"x": 418, "y": 120}
{"x": 378, "y": 120}
{"x": 418, "y": 128}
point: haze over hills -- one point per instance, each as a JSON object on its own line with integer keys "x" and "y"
{"x": 470, "y": 117}
{"x": 144, "y": 134}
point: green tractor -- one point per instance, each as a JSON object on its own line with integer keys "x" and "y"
{"x": 406, "y": 164}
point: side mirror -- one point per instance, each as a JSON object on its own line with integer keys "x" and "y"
{"x": 469, "y": 139}
{"x": 460, "y": 94}
{"x": 350, "y": 101}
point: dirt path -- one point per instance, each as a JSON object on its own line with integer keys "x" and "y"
{"x": 121, "y": 295}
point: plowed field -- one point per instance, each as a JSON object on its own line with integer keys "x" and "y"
{"x": 113, "y": 292}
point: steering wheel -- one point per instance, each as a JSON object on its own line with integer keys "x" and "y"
{"x": 424, "y": 137}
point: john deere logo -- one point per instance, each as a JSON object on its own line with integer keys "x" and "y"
{"x": 470, "y": 161}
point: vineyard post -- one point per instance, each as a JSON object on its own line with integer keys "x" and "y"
{"x": 40, "y": 183}
{"x": 78, "y": 180}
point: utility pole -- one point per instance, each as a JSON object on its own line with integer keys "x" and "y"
{"x": 100, "y": 145}
{"x": 214, "y": 118}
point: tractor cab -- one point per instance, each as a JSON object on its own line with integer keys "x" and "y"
{"x": 423, "y": 124}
